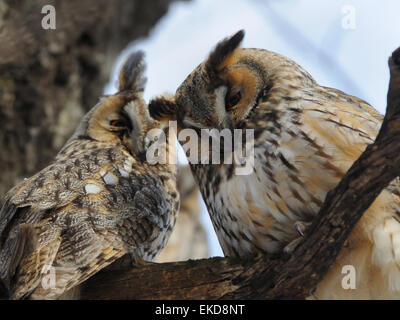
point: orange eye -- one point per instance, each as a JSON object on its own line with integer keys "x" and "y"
{"x": 117, "y": 123}
{"x": 233, "y": 100}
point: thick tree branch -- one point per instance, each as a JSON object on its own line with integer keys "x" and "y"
{"x": 277, "y": 278}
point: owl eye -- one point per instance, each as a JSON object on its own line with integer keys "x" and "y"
{"x": 233, "y": 100}
{"x": 117, "y": 123}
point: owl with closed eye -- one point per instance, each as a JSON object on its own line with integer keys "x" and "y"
{"x": 98, "y": 200}
{"x": 305, "y": 137}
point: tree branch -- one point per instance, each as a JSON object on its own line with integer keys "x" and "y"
{"x": 266, "y": 278}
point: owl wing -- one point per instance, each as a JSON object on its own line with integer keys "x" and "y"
{"x": 337, "y": 130}
{"x": 130, "y": 217}
{"x": 80, "y": 221}
{"x": 343, "y": 127}
{"x": 323, "y": 133}
{"x": 25, "y": 213}
{"x": 341, "y": 123}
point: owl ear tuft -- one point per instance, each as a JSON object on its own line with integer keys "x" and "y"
{"x": 131, "y": 75}
{"x": 163, "y": 108}
{"x": 223, "y": 54}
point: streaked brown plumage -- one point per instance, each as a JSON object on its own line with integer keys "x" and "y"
{"x": 98, "y": 200}
{"x": 306, "y": 138}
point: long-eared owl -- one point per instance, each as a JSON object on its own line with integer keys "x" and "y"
{"x": 97, "y": 200}
{"x": 306, "y": 137}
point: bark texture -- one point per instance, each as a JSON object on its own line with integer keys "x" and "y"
{"x": 50, "y": 78}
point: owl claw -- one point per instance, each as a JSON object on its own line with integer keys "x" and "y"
{"x": 301, "y": 228}
{"x": 289, "y": 249}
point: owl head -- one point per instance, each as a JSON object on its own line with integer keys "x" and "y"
{"x": 122, "y": 117}
{"x": 224, "y": 89}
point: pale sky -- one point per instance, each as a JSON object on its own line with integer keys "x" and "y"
{"x": 342, "y": 44}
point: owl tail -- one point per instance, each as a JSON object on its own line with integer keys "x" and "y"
{"x": 33, "y": 268}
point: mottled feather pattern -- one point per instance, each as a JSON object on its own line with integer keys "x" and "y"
{"x": 83, "y": 220}
{"x": 163, "y": 108}
{"x": 306, "y": 137}
{"x": 98, "y": 200}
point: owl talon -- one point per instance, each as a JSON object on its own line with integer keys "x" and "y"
{"x": 289, "y": 248}
{"x": 301, "y": 227}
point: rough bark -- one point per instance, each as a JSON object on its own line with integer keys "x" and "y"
{"x": 280, "y": 278}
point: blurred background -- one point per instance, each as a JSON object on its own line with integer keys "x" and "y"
{"x": 50, "y": 78}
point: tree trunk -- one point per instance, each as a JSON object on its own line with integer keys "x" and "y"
{"x": 50, "y": 78}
